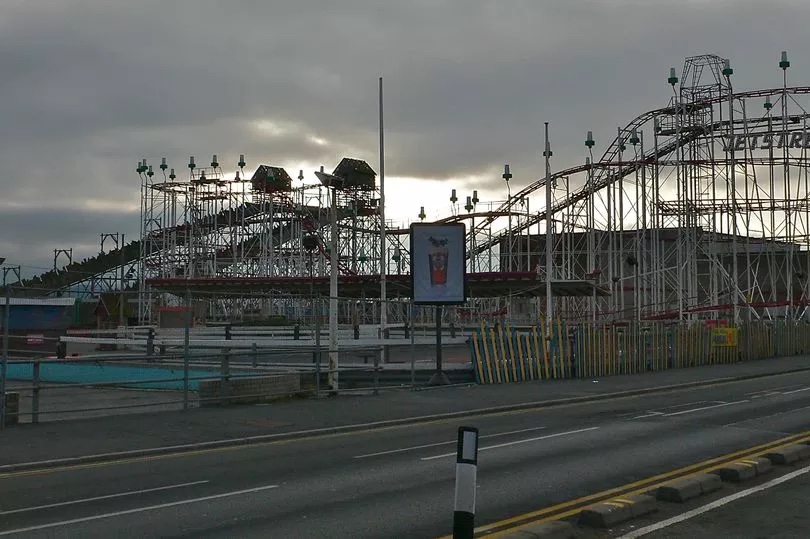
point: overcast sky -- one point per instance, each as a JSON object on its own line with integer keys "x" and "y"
{"x": 90, "y": 87}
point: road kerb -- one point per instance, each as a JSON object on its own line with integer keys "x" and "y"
{"x": 682, "y": 490}
{"x": 789, "y": 454}
{"x": 617, "y": 510}
{"x": 737, "y": 472}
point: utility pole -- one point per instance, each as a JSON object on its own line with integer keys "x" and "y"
{"x": 4, "y": 359}
{"x": 121, "y": 316}
{"x": 333, "y": 299}
{"x": 383, "y": 249}
{"x": 507, "y": 175}
{"x": 333, "y": 184}
{"x": 549, "y": 237}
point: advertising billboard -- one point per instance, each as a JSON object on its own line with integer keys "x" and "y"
{"x": 438, "y": 261}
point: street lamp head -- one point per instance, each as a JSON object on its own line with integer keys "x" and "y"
{"x": 507, "y": 174}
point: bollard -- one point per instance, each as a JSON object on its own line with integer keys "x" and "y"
{"x": 407, "y": 331}
{"x": 61, "y": 350}
{"x": 452, "y": 329}
{"x": 35, "y": 394}
{"x": 466, "y": 476}
{"x": 297, "y": 332}
{"x": 254, "y": 350}
{"x": 356, "y": 332}
{"x": 227, "y": 332}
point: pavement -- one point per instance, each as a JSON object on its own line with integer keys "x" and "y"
{"x": 237, "y": 425}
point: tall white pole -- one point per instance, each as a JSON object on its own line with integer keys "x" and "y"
{"x": 333, "y": 296}
{"x": 549, "y": 237}
{"x": 735, "y": 280}
{"x": 591, "y": 223}
{"x": 122, "y": 320}
{"x": 383, "y": 250}
{"x": 620, "y": 204}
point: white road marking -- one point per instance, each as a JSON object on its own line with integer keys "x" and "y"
{"x": 715, "y": 504}
{"x": 796, "y": 391}
{"x": 692, "y": 410}
{"x": 761, "y": 417}
{"x": 648, "y": 414}
{"x": 663, "y": 412}
{"x": 96, "y": 498}
{"x": 414, "y": 447}
{"x": 137, "y": 510}
{"x": 506, "y": 444}
{"x": 772, "y": 390}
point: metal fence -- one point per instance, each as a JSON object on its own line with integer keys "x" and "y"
{"x": 176, "y": 380}
{"x": 207, "y": 371}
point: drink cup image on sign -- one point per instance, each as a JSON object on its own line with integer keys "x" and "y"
{"x": 437, "y": 258}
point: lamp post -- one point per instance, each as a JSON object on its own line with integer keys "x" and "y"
{"x": 473, "y": 241}
{"x": 310, "y": 243}
{"x": 335, "y": 182}
{"x": 469, "y": 207}
{"x": 549, "y": 237}
{"x": 507, "y": 175}
{"x": 524, "y": 201}
{"x": 122, "y": 320}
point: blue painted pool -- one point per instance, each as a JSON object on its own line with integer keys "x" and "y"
{"x": 90, "y": 373}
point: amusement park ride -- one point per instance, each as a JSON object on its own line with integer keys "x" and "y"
{"x": 695, "y": 210}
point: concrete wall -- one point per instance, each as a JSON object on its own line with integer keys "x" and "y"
{"x": 250, "y": 390}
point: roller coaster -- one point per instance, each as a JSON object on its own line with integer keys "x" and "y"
{"x": 694, "y": 210}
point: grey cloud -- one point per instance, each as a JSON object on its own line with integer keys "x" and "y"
{"x": 32, "y": 233}
{"x": 90, "y": 87}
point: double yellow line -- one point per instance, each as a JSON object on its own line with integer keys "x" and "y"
{"x": 572, "y": 507}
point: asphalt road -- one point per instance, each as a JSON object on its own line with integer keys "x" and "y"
{"x": 398, "y": 482}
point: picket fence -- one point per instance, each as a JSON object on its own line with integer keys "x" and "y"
{"x": 561, "y": 350}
